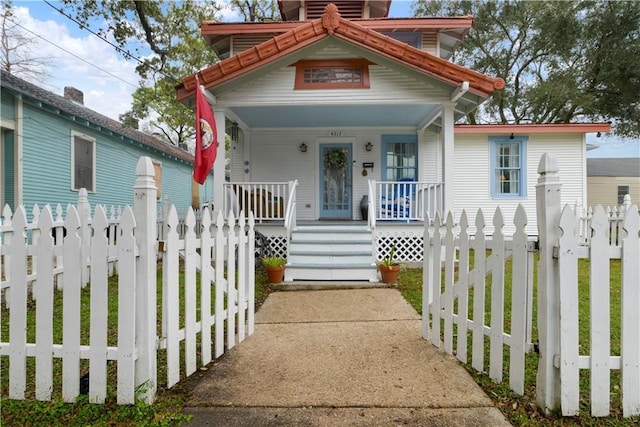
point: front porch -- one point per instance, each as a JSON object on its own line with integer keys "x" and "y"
{"x": 390, "y": 214}
{"x": 384, "y": 201}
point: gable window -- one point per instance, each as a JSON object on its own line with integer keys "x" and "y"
{"x": 83, "y": 162}
{"x": 335, "y": 74}
{"x": 399, "y": 157}
{"x": 508, "y": 167}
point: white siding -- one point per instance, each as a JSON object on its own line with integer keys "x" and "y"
{"x": 430, "y": 154}
{"x": 275, "y": 156}
{"x": 471, "y": 171}
{"x": 276, "y": 88}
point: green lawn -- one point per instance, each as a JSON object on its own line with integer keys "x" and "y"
{"x": 522, "y": 410}
{"x": 166, "y": 411}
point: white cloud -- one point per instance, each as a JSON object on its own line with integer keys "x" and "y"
{"x": 227, "y": 14}
{"x": 84, "y": 62}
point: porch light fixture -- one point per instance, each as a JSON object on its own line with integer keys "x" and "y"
{"x": 511, "y": 136}
{"x": 368, "y": 146}
{"x": 598, "y": 134}
{"x": 303, "y": 147}
{"x": 234, "y": 131}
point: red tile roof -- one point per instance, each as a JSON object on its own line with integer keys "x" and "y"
{"x": 331, "y": 24}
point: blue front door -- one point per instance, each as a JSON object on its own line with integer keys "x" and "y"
{"x": 335, "y": 181}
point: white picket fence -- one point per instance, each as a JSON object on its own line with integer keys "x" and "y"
{"x": 615, "y": 217}
{"x": 223, "y": 258}
{"x": 561, "y": 241}
{"x": 35, "y": 255}
{"x": 598, "y": 359}
{"x": 449, "y": 302}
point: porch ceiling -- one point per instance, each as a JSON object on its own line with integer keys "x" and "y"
{"x": 332, "y": 115}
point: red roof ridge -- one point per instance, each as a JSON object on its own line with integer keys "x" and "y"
{"x": 332, "y": 24}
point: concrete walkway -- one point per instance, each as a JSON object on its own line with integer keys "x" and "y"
{"x": 336, "y": 358}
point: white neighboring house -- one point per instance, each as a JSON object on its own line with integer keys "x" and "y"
{"x": 344, "y": 118}
{"x": 610, "y": 179}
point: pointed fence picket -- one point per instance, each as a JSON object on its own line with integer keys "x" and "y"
{"x": 599, "y": 361}
{"x": 52, "y": 248}
{"x": 565, "y": 236}
{"x": 217, "y": 287}
{"x": 54, "y": 256}
{"x": 450, "y": 303}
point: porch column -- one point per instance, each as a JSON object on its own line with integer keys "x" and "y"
{"x": 218, "y": 166}
{"x": 447, "y": 154}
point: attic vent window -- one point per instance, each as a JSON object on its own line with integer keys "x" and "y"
{"x": 338, "y": 74}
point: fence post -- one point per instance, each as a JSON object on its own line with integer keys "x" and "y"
{"x": 84, "y": 211}
{"x": 548, "y": 216}
{"x": 145, "y": 212}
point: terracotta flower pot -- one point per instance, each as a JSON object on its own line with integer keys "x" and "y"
{"x": 275, "y": 274}
{"x": 389, "y": 274}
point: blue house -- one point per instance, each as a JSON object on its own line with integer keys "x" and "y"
{"x": 52, "y": 146}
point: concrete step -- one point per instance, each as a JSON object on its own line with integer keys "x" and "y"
{"x": 330, "y": 248}
{"x": 325, "y": 273}
{"x": 330, "y": 259}
{"x": 331, "y": 252}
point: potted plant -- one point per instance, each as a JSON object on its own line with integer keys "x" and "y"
{"x": 274, "y": 265}
{"x": 389, "y": 268}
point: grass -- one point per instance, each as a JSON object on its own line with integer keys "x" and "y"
{"x": 166, "y": 410}
{"x": 522, "y": 410}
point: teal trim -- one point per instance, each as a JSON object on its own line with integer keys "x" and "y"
{"x": 503, "y": 169}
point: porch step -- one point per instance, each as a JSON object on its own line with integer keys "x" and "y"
{"x": 331, "y": 253}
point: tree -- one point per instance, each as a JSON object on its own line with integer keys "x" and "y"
{"x": 169, "y": 41}
{"x": 561, "y": 61}
{"x": 17, "y": 49}
{"x": 257, "y": 10}
{"x": 171, "y": 31}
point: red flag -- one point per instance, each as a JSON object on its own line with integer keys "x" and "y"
{"x": 206, "y": 138}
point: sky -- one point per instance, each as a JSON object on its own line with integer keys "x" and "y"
{"x": 91, "y": 65}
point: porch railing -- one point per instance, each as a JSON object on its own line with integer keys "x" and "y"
{"x": 291, "y": 213}
{"x": 406, "y": 200}
{"x": 267, "y": 200}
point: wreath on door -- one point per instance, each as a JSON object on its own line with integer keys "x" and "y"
{"x": 335, "y": 158}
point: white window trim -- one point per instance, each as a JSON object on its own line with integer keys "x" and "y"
{"x": 75, "y": 134}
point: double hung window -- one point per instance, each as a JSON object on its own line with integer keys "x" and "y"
{"x": 508, "y": 167}
{"x": 399, "y": 157}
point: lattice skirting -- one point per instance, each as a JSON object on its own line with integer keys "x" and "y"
{"x": 408, "y": 244}
{"x": 277, "y": 245}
